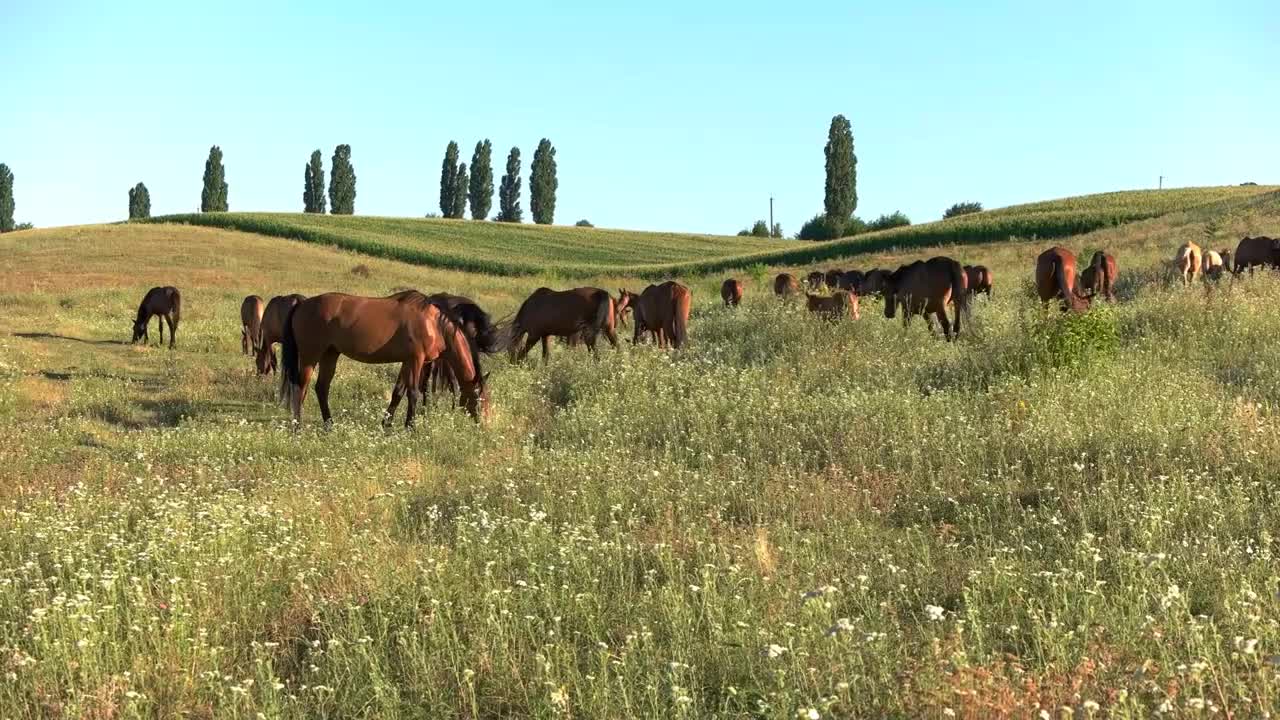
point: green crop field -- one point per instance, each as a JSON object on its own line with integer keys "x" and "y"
{"x": 504, "y": 249}
{"x": 1061, "y": 516}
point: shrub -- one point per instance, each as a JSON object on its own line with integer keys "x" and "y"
{"x": 962, "y": 208}
{"x": 821, "y": 227}
{"x": 583, "y": 223}
{"x": 1074, "y": 340}
{"x": 884, "y": 222}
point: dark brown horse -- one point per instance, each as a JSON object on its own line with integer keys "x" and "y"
{"x": 926, "y": 287}
{"x": 832, "y": 278}
{"x": 551, "y": 313}
{"x": 816, "y": 280}
{"x": 1056, "y": 278}
{"x": 841, "y": 304}
{"x": 1100, "y": 276}
{"x": 1255, "y": 251}
{"x": 250, "y": 324}
{"x": 873, "y": 283}
{"x": 980, "y": 279}
{"x": 663, "y": 311}
{"x": 481, "y": 334}
{"x": 273, "y": 329}
{"x": 852, "y": 281}
{"x": 164, "y": 303}
{"x": 785, "y": 285}
{"x": 731, "y": 292}
{"x": 405, "y": 328}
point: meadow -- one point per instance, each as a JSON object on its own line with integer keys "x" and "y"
{"x": 586, "y": 253}
{"x": 1063, "y": 517}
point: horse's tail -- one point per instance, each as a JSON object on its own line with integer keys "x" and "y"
{"x": 604, "y": 313}
{"x": 680, "y": 323}
{"x": 515, "y": 336}
{"x": 177, "y": 307}
{"x": 291, "y": 377}
{"x": 1105, "y": 271}
{"x": 1060, "y": 277}
{"x": 959, "y": 293}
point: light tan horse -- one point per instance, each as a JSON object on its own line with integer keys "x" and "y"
{"x": 1188, "y": 262}
{"x": 584, "y": 312}
{"x": 406, "y": 328}
{"x": 250, "y": 324}
{"x": 272, "y": 329}
{"x": 1056, "y": 278}
{"x": 841, "y": 304}
{"x": 1214, "y": 265}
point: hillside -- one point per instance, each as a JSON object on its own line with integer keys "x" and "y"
{"x": 503, "y": 249}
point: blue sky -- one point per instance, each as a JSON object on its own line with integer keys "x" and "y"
{"x": 664, "y": 115}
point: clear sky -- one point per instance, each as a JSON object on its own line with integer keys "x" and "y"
{"x": 665, "y": 115}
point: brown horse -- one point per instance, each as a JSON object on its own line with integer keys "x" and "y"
{"x": 786, "y": 285}
{"x": 816, "y": 280}
{"x": 1056, "y": 277}
{"x": 1100, "y": 276}
{"x": 551, "y": 313}
{"x": 925, "y": 287}
{"x": 621, "y": 307}
{"x": 406, "y": 328}
{"x": 250, "y": 324}
{"x": 481, "y": 335}
{"x": 1188, "y": 262}
{"x": 663, "y": 311}
{"x": 832, "y": 278}
{"x": 164, "y": 303}
{"x": 841, "y": 304}
{"x": 731, "y": 292}
{"x": 272, "y": 329}
{"x": 1254, "y": 251}
{"x": 980, "y": 279}
{"x": 873, "y": 283}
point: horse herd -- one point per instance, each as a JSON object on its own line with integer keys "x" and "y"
{"x": 440, "y": 340}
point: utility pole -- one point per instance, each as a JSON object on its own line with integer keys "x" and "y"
{"x": 771, "y": 215}
{"x": 1161, "y": 182}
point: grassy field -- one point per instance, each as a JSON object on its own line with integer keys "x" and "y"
{"x": 584, "y": 253}
{"x": 786, "y": 519}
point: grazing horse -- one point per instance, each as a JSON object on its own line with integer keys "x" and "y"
{"x": 621, "y": 307}
{"x": 250, "y": 324}
{"x": 663, "y": 311}
{"x": 816, "y": 280}
{"x": 1253, "y": 251}
{"x": 407, "y": 328}
{"x": 1056, "y": 278}
{"x": 731, "y": 292}
{"x": 1188, "y": 262}
{"x": 164, "y": 303}
{"x": 873, "y": 282}
{"x": 785, "y": 285}
{"x": 481, "y": 335}
{"x": 1214, "y": 264}
{"x": 841, "y": 304}
{"x": 851, "y": 281}
{"x": 832, "y": 278}
{"x": 925, "y": 287}
{"x": 1100, "y": 276}
{"x": 563, "y": 313}
{"x": 980, "y": 279}
{"x": 272, "y": 329}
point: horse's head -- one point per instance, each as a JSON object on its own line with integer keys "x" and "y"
{"x": 139, "y": 329}
{"x": 475, "y": 397}
{"x": 625, "y": 302}
{"x": 265, "y": 360}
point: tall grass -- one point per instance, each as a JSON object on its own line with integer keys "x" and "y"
{"x": 786, "y": 519}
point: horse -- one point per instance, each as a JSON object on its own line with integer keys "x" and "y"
{"x": 1254, "y": 251}
{"x": 851, "y": 281}
{"x": 832, "y": 278}
{"x": 980, "y": 279}
{"x": 925, "y": 287}
{"x": 1214, "y": 264}
{"x": 1100, "y": 276}
{"x": 1056, "y": 278}
{"x": 164, "y": 303}
{"x": 873, "y": 282}
{"x": 272, "y": 329}
{"x": 840, "y": 304}
{"x": 663, "y": 311}
{"x": 1187, "y": 261}
{"x": 731, "y": 292}
{"x": 564, "y": 313}
{"x": 785, "y": 285}
{"x": 481, "y": 335}
{"x": 816, "y": 280}
{"x": 250, "y": 324}
{"x": 406, "y": 327}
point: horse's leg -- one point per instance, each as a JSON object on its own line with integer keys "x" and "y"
{"x": 160, "y": 325}
{"x": 173, "y": 331}
{"x": 304, "y": 378}
{"x": 324, "y": 376}
{"x": 546, "y": 348}
{"x": 946, "y": 324}
{"x": 413, "y": 368}
{"x": 397, "y": 391}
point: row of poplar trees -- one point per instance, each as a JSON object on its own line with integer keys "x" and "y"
{"x": 460, "y": 187}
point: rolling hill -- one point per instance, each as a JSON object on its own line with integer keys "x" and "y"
{"x": 513, "y": 250}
